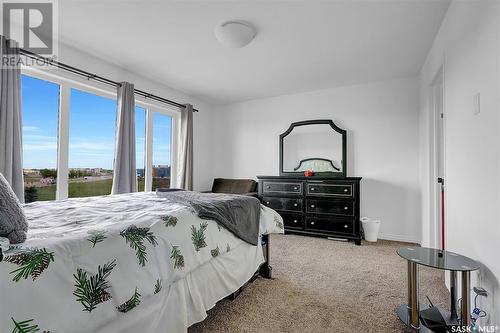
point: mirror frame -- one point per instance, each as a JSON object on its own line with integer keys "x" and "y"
{"x": 337, "y": 129}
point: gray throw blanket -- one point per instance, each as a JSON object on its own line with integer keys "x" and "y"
{"x": 237, "y": 213}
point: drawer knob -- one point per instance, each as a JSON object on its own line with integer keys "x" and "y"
{"x": 268, "y": 186}
{"x": 267, "y": 202}
{"x": 295, "y": 188}
{"x": 312, "y": 188}
{"x": 346, "y": 226}
{"x": 346, "y": 208}
{"x": 345, "y": 190}
{"x": 295, "y": 204}
{"x": 312, "y": 223}
{"x": 312, "y": 206}
{"x": 295, "y": 221}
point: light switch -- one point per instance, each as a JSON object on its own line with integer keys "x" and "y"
{"x": 477, "y": 103}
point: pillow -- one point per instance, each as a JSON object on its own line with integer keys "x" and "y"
{"x": 233, "y": 186}
{"x": 13, "y": 224}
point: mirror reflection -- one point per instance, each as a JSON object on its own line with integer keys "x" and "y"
{"x": 315, "y": 147}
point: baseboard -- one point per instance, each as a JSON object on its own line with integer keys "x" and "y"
{"x": 399, "y": 238}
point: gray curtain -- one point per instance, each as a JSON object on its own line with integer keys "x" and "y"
{"x": 11, "y": 140}
{"x": 125, "y": 173}
{"x": 186, "y": 149}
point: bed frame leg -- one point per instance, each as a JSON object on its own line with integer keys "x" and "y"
{"x": 265, "y": 269}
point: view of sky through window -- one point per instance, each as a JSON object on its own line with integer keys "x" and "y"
{"x": 162, "y": 133}
{"x": 40, "y": 100}
{"x": 91, "y": 130}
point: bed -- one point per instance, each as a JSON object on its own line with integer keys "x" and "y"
{"x": 124, "y": 263}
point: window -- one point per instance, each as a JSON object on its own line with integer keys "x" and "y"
{"x": 40, "y": 100}
{"x": 91, "y": 144}
{"x": 69, "y": 138}
{"x": 140, "y": 146}
{"x": 162, "y": 138}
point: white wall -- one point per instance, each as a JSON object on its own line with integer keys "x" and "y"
{"x": 468, "y": 45}
{"x": 382, "y": 123}
{"x": 202, "y": 120}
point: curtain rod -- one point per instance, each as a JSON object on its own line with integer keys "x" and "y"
{"x": 98, "y": 78}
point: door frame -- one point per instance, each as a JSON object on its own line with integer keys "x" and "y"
{"x": 437, "y": 133}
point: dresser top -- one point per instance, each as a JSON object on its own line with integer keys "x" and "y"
{"x": 309, "y": 178}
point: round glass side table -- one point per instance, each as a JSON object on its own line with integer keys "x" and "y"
{"x": 445, "y": 260}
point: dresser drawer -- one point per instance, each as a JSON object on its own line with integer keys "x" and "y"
{"x": 332, "y": 225}
{"x": 293, "y": 221}
{"x": 282, "y": 187}
{"x": 324, "y": 206}
{"x": 277, "y": 203}
{"x": 331, "y": 190}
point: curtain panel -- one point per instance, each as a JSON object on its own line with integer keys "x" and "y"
{"x": 185, "y": 176}
{"x": 124, "y": 171}
{"x": 11, "y": 142}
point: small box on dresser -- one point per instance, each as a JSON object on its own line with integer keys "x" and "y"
{"x": 316, "y": 206}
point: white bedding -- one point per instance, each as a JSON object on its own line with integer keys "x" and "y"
{"x": 138, "y": 242}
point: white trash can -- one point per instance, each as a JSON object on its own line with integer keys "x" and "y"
{"x": 370, "y": 228}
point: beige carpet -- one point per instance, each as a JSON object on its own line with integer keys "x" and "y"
{"x": 321, "y": 285}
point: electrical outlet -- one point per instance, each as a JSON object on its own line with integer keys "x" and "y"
{"x": 477, "y": 103}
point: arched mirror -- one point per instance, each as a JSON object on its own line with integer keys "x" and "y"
{"x": 316, "y": 145}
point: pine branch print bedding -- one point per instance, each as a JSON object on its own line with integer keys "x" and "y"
{"x": 33, "y": 262}
{"x": 177, "y": 256}
{"x": 105, "y": 259}
{"x": 135, "y": 237}
{"x": 198, "y": 236}
{"x": 158, "y": 286}
{"x": 96, "y": 236}
{"x": 169, "y": 221}
{"x": 134, "y": 301}
{"x": 92, "y": 289}
{"x": 26, "y": 326}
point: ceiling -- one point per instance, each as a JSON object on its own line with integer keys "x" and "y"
{"x": 300, "y": 45}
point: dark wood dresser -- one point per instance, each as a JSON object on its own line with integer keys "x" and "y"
{"x": 316, "y": 206}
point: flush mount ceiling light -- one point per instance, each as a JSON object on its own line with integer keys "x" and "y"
{"x": 235, "y": 33}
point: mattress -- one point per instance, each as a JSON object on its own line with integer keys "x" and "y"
{"x": 123, "y": 263}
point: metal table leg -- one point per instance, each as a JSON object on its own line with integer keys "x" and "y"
{"x": 413, "y": 304}
{"x": 453, "y": 294}
{"x": 465, "y": 298}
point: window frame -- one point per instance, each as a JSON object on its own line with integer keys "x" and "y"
{"x": 68, "y": 81}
